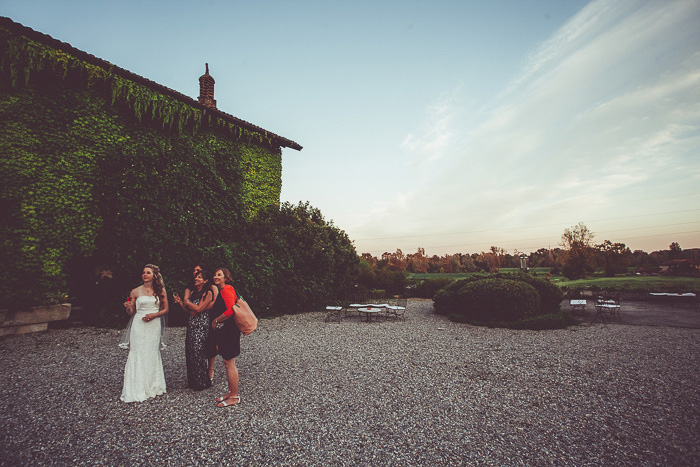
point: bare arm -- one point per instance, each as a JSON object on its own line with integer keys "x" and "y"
{"x": 183, "y": 302}
{"x": 203, "y": 305}
{"x": 214, "y": 295}
{"x": 130, "y": 303}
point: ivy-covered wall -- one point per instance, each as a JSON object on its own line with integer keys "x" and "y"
{"x": 98, "y": 169}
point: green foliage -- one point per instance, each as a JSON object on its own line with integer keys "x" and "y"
{"x": 458, "y": 301}
{"x": 428, "y": 288}
{"x": 393, "y": 282}
{"x": 292, "y": 260}
{"x": 47, "y": 207}
{"x": 98, "y": 172}
{"x": 381, "y": 278}
{"x": 615, "y": 257}
{"x": 641, "y": 284}
{"x": 550, "y": 294}
{"x": 493, "y": 300}
{"x": 578, "y": 259}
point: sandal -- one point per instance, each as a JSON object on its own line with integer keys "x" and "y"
{"x": 224, "y": 397}
{"x": 227, "y": 402}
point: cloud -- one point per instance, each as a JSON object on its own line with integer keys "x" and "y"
{"x": 436, "y": 138}
{"x": 609, "y": 105}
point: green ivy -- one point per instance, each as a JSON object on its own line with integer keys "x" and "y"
{"x": 86, "y": 179}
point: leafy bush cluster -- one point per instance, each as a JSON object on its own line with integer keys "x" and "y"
{"x": 488, "y": 300}
{"x": 370, "y": 277}
{"x": 290, "y": 260}
{"x": 428, "y": 288}
{"x": 517, "y": 300}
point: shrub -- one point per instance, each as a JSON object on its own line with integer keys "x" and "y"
{"x": 446, "y": 299}
{"x": 428, "y": 288}
{"x": 550, "y": 294}
{"x": 494, "y": 300}
{"x": 291, "y": 260}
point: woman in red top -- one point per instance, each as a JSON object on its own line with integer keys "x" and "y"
{"x": 228, "y": 336}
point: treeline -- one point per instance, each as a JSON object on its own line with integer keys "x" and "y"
{"x": 578, "y": 257}
{"x": 497, "y": 258}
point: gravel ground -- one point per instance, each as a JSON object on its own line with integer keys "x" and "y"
{"x": 421, "y": 392}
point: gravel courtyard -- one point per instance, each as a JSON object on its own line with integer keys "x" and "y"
{"x": 421, "y": 392}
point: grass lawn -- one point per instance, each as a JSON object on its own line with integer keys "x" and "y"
{"x": 623, "y": 282}
{"x": 661, "y": 283}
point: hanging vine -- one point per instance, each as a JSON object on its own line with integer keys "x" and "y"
{"x": 22, "y": 57}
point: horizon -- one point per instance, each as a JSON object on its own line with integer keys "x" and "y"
{"x": 559, "y": 247}
{"x": 447, "y": 126}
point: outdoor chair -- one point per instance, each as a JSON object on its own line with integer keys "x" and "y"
{"x": 334, "y": 311}
{"x": 398, "y": 310}
{"x": 607, "y": 307}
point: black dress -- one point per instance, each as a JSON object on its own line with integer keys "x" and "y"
{"x": 227, "y": 339}
{"x": 198, "y": 327}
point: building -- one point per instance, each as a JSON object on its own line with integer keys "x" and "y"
{"x": 103, "y": 166}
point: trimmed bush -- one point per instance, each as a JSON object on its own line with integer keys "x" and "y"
{"x": 494, "y": 300}
{"x": 445, "y": 299}
{"x": 550, "y": 294}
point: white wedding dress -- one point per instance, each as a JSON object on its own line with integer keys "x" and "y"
{"x": 143, "y": 375}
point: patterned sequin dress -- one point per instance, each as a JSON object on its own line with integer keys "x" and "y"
{"x": 195, "y": 356}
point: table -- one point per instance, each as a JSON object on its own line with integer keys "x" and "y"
{"x": 674, "y": 297}
{"x": 369, "y": 312}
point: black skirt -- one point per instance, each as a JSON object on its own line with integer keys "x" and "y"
{"x": 225, "y": 341}
{"x": 228, "y": 339}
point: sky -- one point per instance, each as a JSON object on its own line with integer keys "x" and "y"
{"x": 451, "y": 126}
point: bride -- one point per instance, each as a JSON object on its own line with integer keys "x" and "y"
{"x": 147, "y": 305}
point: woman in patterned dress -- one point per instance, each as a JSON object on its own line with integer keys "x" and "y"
{"x": 199, "y": 298}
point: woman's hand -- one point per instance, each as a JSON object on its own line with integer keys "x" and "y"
{"x": 149, "y": 317}
{"x": 129, "y": 306}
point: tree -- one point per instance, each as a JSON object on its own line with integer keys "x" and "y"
{"x": 616, "y": 257}
{"x": 290, "y": 260}
{"x": 578, "y": 261}
{"x": 394, "y": 261}
{"x": 417, "y": 262}
{"x": 494, "y": 258}
{"x": 676, "y": 252}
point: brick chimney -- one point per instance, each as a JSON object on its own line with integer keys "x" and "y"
{"x": 206, "y": 89}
